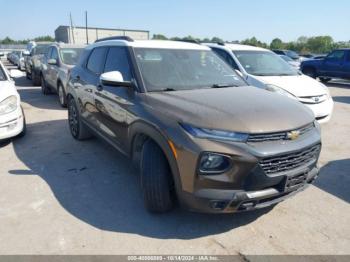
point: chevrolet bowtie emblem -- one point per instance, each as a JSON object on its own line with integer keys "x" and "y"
{"x": 293, "y": 135}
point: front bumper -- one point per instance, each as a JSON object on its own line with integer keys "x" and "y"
{"x": 11, "y": 124}
{"x": 322, "y": 111}
{"x": 249, "y": 184}
{"x": 231, "y": 201}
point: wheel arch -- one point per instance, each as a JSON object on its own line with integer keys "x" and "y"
{"x": 141, "y": 132}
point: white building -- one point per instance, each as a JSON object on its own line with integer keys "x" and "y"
{"x": 81, "y": 35}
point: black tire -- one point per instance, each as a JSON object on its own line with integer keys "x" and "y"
{"x": 156, "y": 180}
{"x": 36, "y": 81}
{"x": 28, "y": 75}
{"x": 44, "y": 88}
{"x": 76, "y": 126}
{"x": 61, "y": 95}
{"x": 325, "y": 79}
{"x": 309, "y": 71}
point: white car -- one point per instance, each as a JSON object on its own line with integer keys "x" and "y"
{"x": 12, "y": 121}
{"x": 264, "y": 69}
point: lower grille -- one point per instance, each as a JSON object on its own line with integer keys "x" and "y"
{"x": 287, "y": 162}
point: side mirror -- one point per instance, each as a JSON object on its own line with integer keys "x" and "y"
{"x": 114, "y": 78}
{"x": 15, "y": 73}
{"x": 52, "y": 62}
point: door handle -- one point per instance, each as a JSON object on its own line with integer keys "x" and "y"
{"x": 78, "y": 77}
{"x": 99, "y": 87}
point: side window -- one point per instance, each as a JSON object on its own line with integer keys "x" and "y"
{"x": 48, "y": 53}
{"x": 54, "y": 54}
{"x": 348, "y": 59}
{"x": 224, "y": 55}
{"x": 96, "y": 60}
{"x": 118, "y": 60}
{"x": 337, "y": 55}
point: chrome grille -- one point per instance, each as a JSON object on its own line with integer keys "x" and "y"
{"x": 254, "y": 138}
{"x": 282, "y": 163}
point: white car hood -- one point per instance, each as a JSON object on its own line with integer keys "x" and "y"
{"x": 299, "y": 85}
{"x": 7, "y": 88}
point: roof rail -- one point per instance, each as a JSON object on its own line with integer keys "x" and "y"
{"x": 193, "y": 41}
{"x": 126, "y": 38}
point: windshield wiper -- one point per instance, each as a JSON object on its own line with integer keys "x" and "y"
{"x": 163, "y": 90}
{"x": 223, "y": 85}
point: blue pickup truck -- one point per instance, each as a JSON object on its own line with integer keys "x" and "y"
{"x": 335, "y": 65}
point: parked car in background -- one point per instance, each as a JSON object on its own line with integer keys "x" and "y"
{"x": 33, "y": 62}
{"x": 295, "y": 64}
{"x": 263, "y": 68}
{"x": 198, "y": 132}
{"x": 12, "y": 120}
{"x": 19, "y": 59}
{"x": 292, "y": 54}
{"x": 57, "y": 63}
{"x": 11, "y": 57}
{"x": 334, "y": 65}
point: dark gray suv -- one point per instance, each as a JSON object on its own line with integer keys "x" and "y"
{"x": 198, "y": 134}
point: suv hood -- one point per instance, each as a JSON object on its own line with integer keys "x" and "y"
{"x": 242, "y": 109}
{"x": 299, "y": 85}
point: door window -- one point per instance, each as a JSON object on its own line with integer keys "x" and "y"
{"x": 336, "y": 55}
{"x": 54, "y": 54}
{"x": 96, "y": 60}
{"x": 118, "y": 60}
{"x": 224, "y": 55}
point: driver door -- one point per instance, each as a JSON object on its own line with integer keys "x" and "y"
{"x": 333, "y": 64}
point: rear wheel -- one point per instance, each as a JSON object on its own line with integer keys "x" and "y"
{"x": 310, "y": 72}
{"x": 156, "y": 180}
{"x": 77, "y": 127}
{"x": 61, "y": 95}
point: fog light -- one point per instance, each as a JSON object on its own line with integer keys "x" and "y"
{"x": 213, "y": 163}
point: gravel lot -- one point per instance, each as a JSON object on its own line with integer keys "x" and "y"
{"x": 61, "y": 196}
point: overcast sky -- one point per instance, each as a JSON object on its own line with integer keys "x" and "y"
{"x": 227, "y": 19}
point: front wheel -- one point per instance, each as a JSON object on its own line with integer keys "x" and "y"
{"x": 76, "y": 126}
{"x": 44, "y": 88}
{"x": 61, "y": 95}
{"x": 156, "y": 180}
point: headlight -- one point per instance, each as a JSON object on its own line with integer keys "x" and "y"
{"x": 279, "y": 90}
{"x": 215, "y": 134}
{"x": 8, "y": 105}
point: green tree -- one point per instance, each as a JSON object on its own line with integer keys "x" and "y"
{"x": 216, "y": 39}
{"x": 45, "y": 38}
{"x": 159, "y": 37}
{"x": 320, "y": 44}
{"x": 276, "y": 44}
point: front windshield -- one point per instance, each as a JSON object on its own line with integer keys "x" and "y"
{"x": 286, "y": 58}
{"x": 180, "y": 69}
{"x": 264, "y": 63}
{"x": 70, "y": 56}
{"x": 292, "y": 54}
{"x": 41, "y": 49}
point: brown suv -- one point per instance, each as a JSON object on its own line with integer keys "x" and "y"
{"x": 197, "y": 132}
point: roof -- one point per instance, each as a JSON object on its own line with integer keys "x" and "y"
{"x": 237, "y": 47}
{"x": 152, "y": 44}
{"x": 64, "y": 45}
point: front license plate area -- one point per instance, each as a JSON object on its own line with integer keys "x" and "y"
{"x": 295, "y": 182}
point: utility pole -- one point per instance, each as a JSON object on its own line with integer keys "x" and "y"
{"x": 71, "y": 27}
{"x": 86, "y": 28}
